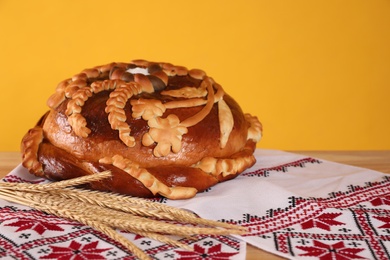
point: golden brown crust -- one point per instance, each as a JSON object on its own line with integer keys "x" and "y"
{"x": 165, "y": 131}
{"x": 30, "y": 145}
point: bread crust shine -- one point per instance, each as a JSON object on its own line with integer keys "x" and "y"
{"x": 162, "y": 130}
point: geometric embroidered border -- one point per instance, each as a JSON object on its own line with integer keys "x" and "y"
{"x": 31, "y": 234}
{"x": 316, "y": 227}
{"x": 296, "y": 221}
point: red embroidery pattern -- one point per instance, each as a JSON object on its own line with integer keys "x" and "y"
{"x": 15, "y": 178}
{"x": 264, "y": 172}
{"x": 381, "y": 201}
{"x": 367, "y": 234}
{"x": 349, "y": 224}
{"x": 386, "y": 220}
{"x": 331, "y": 251}
{"x": 76, "y": 251}
{"x": 38, "y": 226}
{"x": 199, "y": 253}
{"x": 323, "y": 221}
{"x": 31, "y": 238}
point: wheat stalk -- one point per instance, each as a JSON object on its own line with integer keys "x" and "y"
{"x": 132, "y": 205}
{"x": 121, "y": 219}
{"x": 109, "y": 211}
{"x": 56, "y": 185}
{"x": 109, "y": 231}
{"x": 141, "y": 207}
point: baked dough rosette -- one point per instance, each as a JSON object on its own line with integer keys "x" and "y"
{"x": 162, "y": 130}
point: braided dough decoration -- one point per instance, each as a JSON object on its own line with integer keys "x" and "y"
{"x": 163, "y": 130}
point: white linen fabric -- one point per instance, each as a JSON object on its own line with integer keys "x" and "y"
{"x": 294, "y": 206}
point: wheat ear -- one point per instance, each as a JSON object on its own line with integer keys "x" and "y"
{"x": 106, "y": 212}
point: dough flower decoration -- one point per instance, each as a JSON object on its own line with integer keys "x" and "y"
{"x": 147, "y": 108}
{"x": 167, "y": 133}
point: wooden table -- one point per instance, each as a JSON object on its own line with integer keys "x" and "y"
{"x": 375, "y": 160}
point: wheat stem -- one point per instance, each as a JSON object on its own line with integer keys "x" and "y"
{"x": 109, "y": 231}
{"x": 108, "y": 211}
{"x": 56, "y": 185}
{"x": 141, "y": 207}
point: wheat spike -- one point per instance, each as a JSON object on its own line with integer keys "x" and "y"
{"x": 107, "y": 212}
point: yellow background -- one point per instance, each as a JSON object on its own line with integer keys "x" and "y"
{"x": 316, "y": 73}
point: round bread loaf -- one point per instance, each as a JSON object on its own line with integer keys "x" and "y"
{"x": 162, "y": 130}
